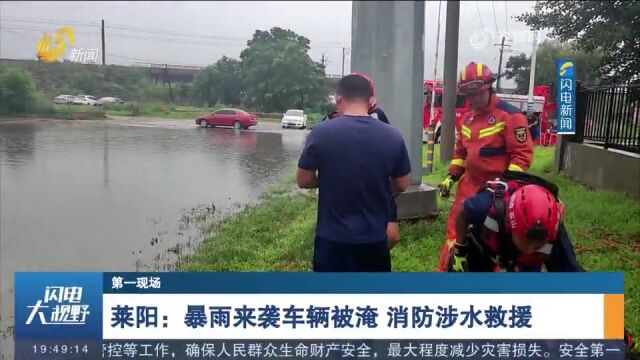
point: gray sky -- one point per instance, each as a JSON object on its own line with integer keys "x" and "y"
{"x": 137, "y": 31}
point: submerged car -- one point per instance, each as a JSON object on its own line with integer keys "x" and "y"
{"x": 84, "y": 100}
{"x": 108, "y": 100}
{"x": 238, "y": 119}
{"x": 294, "y": 118}
{"x": 63, "y": 99}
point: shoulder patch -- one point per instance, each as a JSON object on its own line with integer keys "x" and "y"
{"x": 508, "y": 108}
{"x": 521, "y": 134}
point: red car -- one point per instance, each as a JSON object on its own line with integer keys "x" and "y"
{"x": 239, "y": 119}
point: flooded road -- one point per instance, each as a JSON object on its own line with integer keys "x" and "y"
{"x": 112, "y": 195}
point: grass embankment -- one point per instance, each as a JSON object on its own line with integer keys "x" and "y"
{"x": 277, "y": 234}
{"x": 157, "y": 110}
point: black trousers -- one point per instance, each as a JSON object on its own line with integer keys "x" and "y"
{"x": 333, "y": 256}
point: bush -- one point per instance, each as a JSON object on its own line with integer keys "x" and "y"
{"x": 43, "y": 106}
{"x": 17, "y": 91}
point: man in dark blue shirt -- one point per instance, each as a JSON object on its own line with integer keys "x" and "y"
{"x": 356, "y": 162}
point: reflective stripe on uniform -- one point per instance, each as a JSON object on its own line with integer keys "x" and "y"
{"x": 458, "y": 162}
{"x": 463, "y": 74}
{"x": 491, "y": 130}
{"x": 479, "y": 70}
{"x": 514, "y": 167}
{"x": 546, "y": 249}
{"x": 465, "y": 131}
{"x": 491, "y": 224}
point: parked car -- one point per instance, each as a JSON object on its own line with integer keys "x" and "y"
{"x": 294, "y": 118}
{"x": 84, "y": 100}
{"x": 63, "y": 99}
{"x": 239, "y": 119}
{"x": 108, "y": 100}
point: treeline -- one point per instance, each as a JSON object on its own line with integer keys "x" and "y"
{"x": 274, "y": 73}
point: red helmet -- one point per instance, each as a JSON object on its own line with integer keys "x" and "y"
{"x": 534, "y": 213}
{"x": 475, "y": 77}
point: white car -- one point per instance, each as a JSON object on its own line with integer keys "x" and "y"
{"x": 84, "y": 100}
{"x": 63, "y": 99}
{"x": 294, "y": 118}
{"x": 108, "y": 100}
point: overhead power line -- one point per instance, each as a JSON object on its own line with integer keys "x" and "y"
{"x": 137, "y": 30}
{"x": 493, "y": 5}
{"x": 506, "y": 17}
{"x": 479, "y": 16}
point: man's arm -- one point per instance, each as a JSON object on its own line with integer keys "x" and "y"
{"x": 518, "y": 142}
{"x": 401, "y": 170}
{"x": 308, "y": 164}
{"x": 307, "y": 179}
{"x": 400, "y": 184}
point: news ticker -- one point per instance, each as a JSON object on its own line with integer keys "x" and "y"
{"x": 310, "y": 315}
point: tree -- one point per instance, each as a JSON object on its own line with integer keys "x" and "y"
{"x": 518, "y": 66}
{"x": 17, "y": 91}
{"x": 278, "y": 73}
{"x": 220, "y": 82}
{"x": 610, "y": 26}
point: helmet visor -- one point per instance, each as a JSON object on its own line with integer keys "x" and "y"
{"x": 471, "y": 86}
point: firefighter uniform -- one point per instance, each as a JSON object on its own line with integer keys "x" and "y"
{"x": 488, "y": 142}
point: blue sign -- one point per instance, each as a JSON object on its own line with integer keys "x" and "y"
{"x": 566, "y": 93}
{"x": 231, "y": 315}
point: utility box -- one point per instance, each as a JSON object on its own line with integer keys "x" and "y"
{"x": 417, "y": 202}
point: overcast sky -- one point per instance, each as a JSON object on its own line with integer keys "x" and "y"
{"x": 154, "y": 31}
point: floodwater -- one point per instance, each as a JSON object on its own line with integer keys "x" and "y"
{"x": 121, "y": 194}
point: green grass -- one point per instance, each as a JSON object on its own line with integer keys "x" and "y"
{"x": 277, "y": 233}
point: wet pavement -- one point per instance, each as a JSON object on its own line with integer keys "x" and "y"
{"x": 122, "y": 194}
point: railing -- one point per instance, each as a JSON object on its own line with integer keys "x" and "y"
{"x": 609, "y": 116}
{"x": 168, "y": 66}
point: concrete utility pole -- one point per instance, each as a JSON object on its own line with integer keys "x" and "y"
{"x": 532, "y": 72}
{"x": 430, "y": 131}
{"x": 500, "y": 64}
{"x": 103, "y": 54}
{"x": 450, "y": 80}
{"x": 344, "y": 54}
{"x": 387, "y": 40}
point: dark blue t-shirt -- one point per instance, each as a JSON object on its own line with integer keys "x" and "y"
{"x": 355, "y": 157}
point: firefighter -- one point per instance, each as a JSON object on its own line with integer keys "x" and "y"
{"x": 491, "y": 138}
{"x": 513, "y": 223}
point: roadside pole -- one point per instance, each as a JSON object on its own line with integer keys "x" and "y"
{"x": 103, "y": 54}
{"x": 397, "y": 69}
{"x": 449, "y": 87}
{"x": 532, "y": 72}
{"x": 430, "y": 131}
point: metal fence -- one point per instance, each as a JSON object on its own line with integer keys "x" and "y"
{"x": 609, "y": 116}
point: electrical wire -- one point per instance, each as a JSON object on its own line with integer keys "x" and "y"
{"x": 479, "y": 16}
{"x": 506, "y": 16}
{"x": 493, "y": 5}
{"x": 136, "y": 30}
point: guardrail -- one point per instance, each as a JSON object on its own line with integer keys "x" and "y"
{"x": 610, "y": 117}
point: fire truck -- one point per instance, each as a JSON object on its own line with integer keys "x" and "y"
{"x": 540, "y": 124}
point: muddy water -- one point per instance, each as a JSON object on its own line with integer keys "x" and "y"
{"x": 122, "y": 194}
